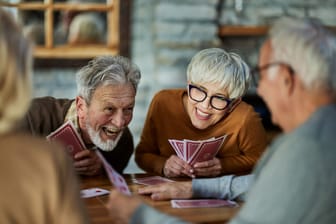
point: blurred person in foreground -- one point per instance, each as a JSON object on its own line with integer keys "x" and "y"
{"x": 101, "y": 113}
{"x": 297, "y": 80}
{"x": 210, "y": 106}
{"x": 38, "y": 183}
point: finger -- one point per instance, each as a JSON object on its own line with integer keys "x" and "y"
{"x": 208, "y": 163}
{"x": 82, "y": 154}
{"x": 159, "y": 196}
{"x": 83, "y": 163}
{"x": 149, "y": 189}
{"x": 212, "y": 171}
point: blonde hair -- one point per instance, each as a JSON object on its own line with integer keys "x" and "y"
{"x": 15, "y": 72}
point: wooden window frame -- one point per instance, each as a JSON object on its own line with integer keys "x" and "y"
{"x": 113, "y": 9}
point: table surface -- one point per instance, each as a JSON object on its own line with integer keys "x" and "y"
{"x": 99, "y": 215}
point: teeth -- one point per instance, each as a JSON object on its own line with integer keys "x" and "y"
{"x": 202, "y": 114}
{"x": 111, "y": 131}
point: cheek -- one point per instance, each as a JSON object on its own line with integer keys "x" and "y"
{"x": 128, "y": 119}
{"x": 218, "y": 116}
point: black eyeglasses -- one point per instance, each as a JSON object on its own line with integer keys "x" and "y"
{"x": 199, "y": 95}
{"x": 257, "y": 70}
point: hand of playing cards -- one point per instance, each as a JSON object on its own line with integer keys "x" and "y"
{"x": 197, "y": 151}
{"x": 68, "y": 137}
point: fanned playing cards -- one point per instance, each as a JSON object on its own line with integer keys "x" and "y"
{"x": 68, "y": 137}
{"x": 197, "y": 151}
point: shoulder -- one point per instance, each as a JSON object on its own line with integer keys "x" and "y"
{"x": 244, "y": 113}
{"x": 50, "y": 102}
{"x": 36, "y": 151}
{"x": 168, "y": 94}
{"x": 167, "y": 97}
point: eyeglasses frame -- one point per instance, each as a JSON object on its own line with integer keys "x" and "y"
{"x": 257, "y": 70}
{"x": 228, "y": 101}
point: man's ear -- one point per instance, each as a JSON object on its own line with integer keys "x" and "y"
{"x": 80, "y": 106}
{"x": 234, "y": 104}
{"x": 289, "y": 81}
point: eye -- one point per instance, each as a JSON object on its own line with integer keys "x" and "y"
{"x": 128, "y": 110}
{"x": 109, "y": 109}
{"x": 222, "y": 98}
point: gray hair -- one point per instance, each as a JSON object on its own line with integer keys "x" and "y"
{"x": 309, "y": 48}
{"x": 227, "y": 69}
{"x": 106, "y": 70}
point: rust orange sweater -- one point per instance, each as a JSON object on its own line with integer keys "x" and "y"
{"x": 167, "y": 119}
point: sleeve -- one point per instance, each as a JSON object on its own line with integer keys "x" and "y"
{"x": 149, "y": 215}
{"x": 120, "y": 156}
{"x": 285, "y": 189}
{"x": 251, "y": 141}
{"x": 225, "y": 187}
{"x": 147, "y": 153}
{"x": 44, "y": 116}
{"x": 68, "y": 207}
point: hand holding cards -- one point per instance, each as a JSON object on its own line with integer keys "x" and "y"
{"x": 68, "y": 137}
{"x": 197, "y": 151}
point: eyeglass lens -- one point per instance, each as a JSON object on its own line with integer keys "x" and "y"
{"x": 199, "y": 95}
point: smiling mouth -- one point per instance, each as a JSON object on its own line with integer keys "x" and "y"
{"x": 202, "y": 115}
{"x": 111, "y": 131}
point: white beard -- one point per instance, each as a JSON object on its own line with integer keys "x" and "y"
{"x": 107, "y": 145}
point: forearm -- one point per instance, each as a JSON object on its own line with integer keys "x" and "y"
{"x": 149, "y": 215}
{"x": 226, "y": 187}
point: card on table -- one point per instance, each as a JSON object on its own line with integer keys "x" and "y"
{"x": 116, "y": 179}
{"x": 93, "y": 192}
{"x": 202, "y": 203}
{"x": 68, "y": 137}
{"x": 154, "y": 180}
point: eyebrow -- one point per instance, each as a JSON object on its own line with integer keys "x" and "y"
{"x": 205, "y": 89}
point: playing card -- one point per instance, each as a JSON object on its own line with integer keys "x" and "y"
{"x": 116, "y": 179}
{"x": 93, "y": 192}
{"x": 68, "y": 137}
{"x": 192, "y": 148}
{"x": 207, "y": 150}
{"x": 202, "y": 203}
{"x": 178, "y": 146}
{"x": 152, "y": 180}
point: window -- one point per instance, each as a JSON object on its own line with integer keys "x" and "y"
{"x": 111, "y": 9}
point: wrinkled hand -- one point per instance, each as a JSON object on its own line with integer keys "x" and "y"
{"x": 176, "y": 167}
{"x": 208, "y": 168}
{"x": 121, "y": 207}
{"x": 87, "y": 163}
{"x": 165, "y": 191}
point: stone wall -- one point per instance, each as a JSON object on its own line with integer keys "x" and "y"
{"x": 167, "y": 33}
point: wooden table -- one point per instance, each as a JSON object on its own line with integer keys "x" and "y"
{"x": 99, "y": 215}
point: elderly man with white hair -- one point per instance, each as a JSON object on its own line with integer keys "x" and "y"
{"x": 292, "y": 182}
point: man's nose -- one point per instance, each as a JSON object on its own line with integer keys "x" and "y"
{"x": 118, "y": 119}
